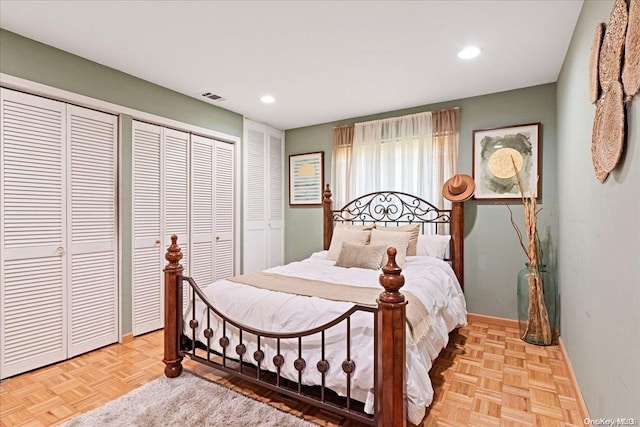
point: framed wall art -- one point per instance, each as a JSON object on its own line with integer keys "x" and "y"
{"x": 495, "y": 151}
{"x": 306, "y": 178}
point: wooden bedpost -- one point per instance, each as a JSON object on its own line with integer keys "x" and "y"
{"x": 172, "y": 310}
{"x": 327, "y": 217}
{"x": 391, "y": 402}
{"x": 457, "y": 239}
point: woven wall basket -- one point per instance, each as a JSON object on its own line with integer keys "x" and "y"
{"x": 600, "y": 173}
{"x": 631, "y": 67}
{"x": 594, "y": 61}
{"x": 607, "y": 139}
{"x": 610, "y": 62}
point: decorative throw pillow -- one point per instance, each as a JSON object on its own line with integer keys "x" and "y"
{"x": 399, "y": 240}
{"x": 344, "y": 234}
{"x": 361, "y": 256}
{"x": 434, "y": 245}
{"x": 413, "y": 228}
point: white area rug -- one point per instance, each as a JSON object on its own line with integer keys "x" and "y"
{"x": 187, "y": 400}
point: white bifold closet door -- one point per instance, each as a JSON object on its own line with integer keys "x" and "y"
{"x": 275, "y": 201}
{"x": 160, "y": 209}
{"x": 92, "y": 242}
{"x": 224, "y": 208}
{"x": 212, "y": 214}
{"x": 175, "y": 203}
{"x": 263, "y": 226}
{"x": 58, "y": 258}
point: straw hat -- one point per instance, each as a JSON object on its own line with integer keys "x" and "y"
{"x": 610, "y": 63}
{"x": 631, "y": 68}
{"x": 458, "y": 188}
{"x": 594, "y": 61}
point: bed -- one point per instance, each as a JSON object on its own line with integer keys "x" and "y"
{"x": 333, "y": 330}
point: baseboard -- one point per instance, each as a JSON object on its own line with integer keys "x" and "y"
{"x": 126, "y": 338}
{"x": 511, "y": 323}
{"x": 584, "y": 412}
{"x": 499, "y": 321}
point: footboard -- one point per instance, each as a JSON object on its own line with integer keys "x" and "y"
{"x": 389, "y": 347}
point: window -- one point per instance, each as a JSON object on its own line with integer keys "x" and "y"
{"x": 414, "y": 154}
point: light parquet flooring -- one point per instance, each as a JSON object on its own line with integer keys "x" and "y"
{"x": 486, "y": 376}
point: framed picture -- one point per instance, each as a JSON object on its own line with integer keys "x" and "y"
{"x": 496, "y": 151}
{"x": 306, "y": 178}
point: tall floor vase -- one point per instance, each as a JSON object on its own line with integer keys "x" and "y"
{"x": 537, "y": 305}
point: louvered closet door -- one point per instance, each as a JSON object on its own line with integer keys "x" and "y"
{"x": 212, "y": 224}
{"x": 176, "y": 191}
{"x": 92, "y": 248}
{"x": 255, "y": 163}
{"x": 175, "y": 201}
{"x": 275, "y": 201}
{"x": 33, "y": 270}
{"x": 147, "y": 295}
{"x": 224, "y": 210}
{"x": 203, "y": 199}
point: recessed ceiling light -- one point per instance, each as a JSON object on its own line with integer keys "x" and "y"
{"x": 469, "y": 52}
{"x": 268, "y": 99}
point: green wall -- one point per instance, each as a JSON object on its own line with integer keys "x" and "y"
{"x": 30, "y": 60}
{"x": 493, "y": 255}
{"x": 599, "y": 247}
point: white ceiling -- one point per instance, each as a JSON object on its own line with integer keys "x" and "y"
{"x": 322, "y": 60}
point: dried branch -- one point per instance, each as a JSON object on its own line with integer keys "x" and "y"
{"x": 530, "y": 219}
{"x": 518, "y": 232}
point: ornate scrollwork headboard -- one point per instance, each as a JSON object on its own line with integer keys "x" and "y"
{"x": 398, "y": 208}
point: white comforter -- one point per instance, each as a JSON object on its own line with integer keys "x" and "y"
{"x": 430, "y": 279}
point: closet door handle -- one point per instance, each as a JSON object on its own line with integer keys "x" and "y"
{"x": 60, "y": 251}
{"x": 157, "y": 242}
{"x": 217, "y": 237}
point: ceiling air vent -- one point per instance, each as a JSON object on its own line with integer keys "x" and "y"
{"x": 212, "y": 96}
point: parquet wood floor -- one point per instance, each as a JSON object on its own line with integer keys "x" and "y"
{"x": 486, "y": 376}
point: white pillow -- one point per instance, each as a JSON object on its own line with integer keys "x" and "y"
{"x": 397, "y": 239}
{"x": 434, "y": 245}
{"x": 344, "y": 234}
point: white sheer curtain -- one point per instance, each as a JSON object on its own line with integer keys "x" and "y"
{"x": 415, "y": 154}
{"x": 393, "y": 154}
{"x": 341, "y": 165}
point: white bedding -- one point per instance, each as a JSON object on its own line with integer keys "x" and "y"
{"x": 430, "y": 279}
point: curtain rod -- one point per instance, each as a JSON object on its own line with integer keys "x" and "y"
{"x": 397, "y": 117}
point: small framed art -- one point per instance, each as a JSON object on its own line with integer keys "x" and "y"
{"x": 496, "y": 151}
{"x": 306, "y": 178}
